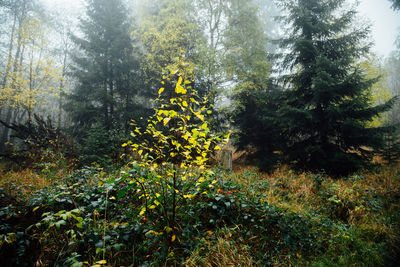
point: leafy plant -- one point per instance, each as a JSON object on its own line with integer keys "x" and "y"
{"x": 173, "y": 149}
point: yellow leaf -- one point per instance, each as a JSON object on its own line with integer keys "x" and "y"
{"x": 180, "y": 90}
{"x": 152, "y": 207}
{"x": 189, "y": 196}
{"x": 179, "y": 81}
{"x": 124, "y": 144}
{"x": 36, "y": 208}
{"x": 161, "y": 90}
{"x": 184, "y": 103}
{"x": 173, "y": 238}
{"x": 140, "y": 152}
{"x": 142, "y": 211}
{"x": 166, "y": 120}
{"x": 102, "y": 262}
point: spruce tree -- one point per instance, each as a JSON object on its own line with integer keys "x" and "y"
{"x": 327, "y": 106}
{"x": 104, "y": 67}
{"x": 395, "y": 4}
{"x": 107, "y": 74}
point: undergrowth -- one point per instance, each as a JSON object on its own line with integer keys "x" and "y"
{"x": 247, "y": 218}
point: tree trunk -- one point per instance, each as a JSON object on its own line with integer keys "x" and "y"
{"x": 4, "y": 137}
{"x": 9, "y": 57}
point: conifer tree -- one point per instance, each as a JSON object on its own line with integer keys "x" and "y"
{"x": 324, "y": 116}
{"x": 107, "y": 71}
{"x": 105, "y": 66}
{"x": 395, "y": 4}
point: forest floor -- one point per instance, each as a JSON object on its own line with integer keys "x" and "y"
{"x": 90, "y": 217}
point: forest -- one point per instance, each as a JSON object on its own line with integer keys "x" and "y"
{"x": 197, "y": 133}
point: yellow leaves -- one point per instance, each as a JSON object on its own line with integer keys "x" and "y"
{"x": 166, "y": 120}
{"x": 172, "y": 113}
{"x": 142, "y": 211}
{"x": 152, "y": 232}
{"x": 180, "y": 89}
{"x": 124, "y": 144}
{"x": 217, "y": 147}
{"x": 30, "y": 83}
{"x": 179, "y": 81}
{"x": 204, "y": 126}
{"x": 180, "y": 148}
{"x": 99, "y": 263}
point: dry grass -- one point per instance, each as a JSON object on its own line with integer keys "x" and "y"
{"x": 281, "y": 183}
{"x": 221, "y": 252}
{"x": 298, "y": 192}
{"x": 27, "y": 180}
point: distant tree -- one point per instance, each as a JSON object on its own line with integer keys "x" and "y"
{"x": 255, "y": 116}
{"x": 392, "y": 66}
{"x": 255, "y": 97}
{"x": 379, "y": 91}
{"x": 167, "y": 30}
{"x": 393, "y": 81}
{"x": 234, "y": 58}
{"x": 106, "y": 70}
{"x": 326, "y": 111}
{"x": 27, "y": 68}
{"x": 105, "y": 66}
{"x": 396, "y": 4}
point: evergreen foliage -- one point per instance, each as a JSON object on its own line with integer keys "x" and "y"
{"x": 107, "y": 72}
{"x": 396, "y": 4}
{"x": 325, "y": 113}
{"x": 106, "y": 68}
{"x": 259, "y": 131}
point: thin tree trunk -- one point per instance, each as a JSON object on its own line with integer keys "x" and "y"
{"x": 4, "y": 137}
{"x": 62, "y": 87}
{"x": 17, "y": 56}
{"x": 9, "y": 58}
